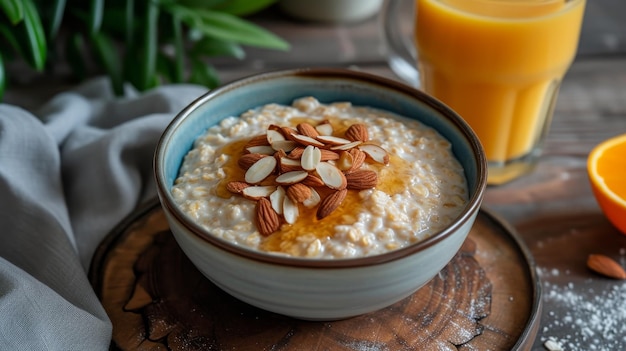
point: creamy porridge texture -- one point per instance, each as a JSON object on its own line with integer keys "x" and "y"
{"x": 399, "y": 180}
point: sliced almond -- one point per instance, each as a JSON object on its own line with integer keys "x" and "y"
{"x": 330, "y": 203}
{"x": 307, "y": 129}
{"x": 362, "y": 179}
{"x": 289, "y": 132}
{"x": 313, "y": 200}
{"x": 332, "y": 140}
{"x": 285, "y": 145}
{"x": 328, "y": 155}
{"x": 287, "y": 164}
{"x": 296, "y": 153}
{"x": 236, "y": 187}
{"x": 298, "y": 192}
{"x": 258, "y": 140}
{"x": 292, "y": 177}
{"x": 277, "y": 198}
{"x": 261, "y": 149}
{"x": 256, "y": 192}
{"x": 331, "y": 176}
{"x": 375, "y": 152}
{"x": 247, "y": 160}
{"x": 345, "y": 161}
{"x": 274, "y": 135}
{"x": 606, "y": 266}
{"x": 313, "y": 181}
{"x": 290, "y": 210}
{"x": 306, "y": 141}
{"x": 357, "y": 132}
{"x": 260, "y": 170}
{"x": 310, "y": 157}
{"x": 268, "y": 220}
{"x": 347, "y": 146}
{"x": 324, "y": 128}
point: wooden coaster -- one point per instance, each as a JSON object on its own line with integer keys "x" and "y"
{"x": 487, "y": 297}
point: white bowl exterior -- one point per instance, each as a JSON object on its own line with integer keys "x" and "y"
{"x": 318, "y": 293}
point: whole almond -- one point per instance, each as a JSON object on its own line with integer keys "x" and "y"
{"x": 236, "y": 187}
{"x": 328, "y": 155}
{"x": 247, "y": 160}
{"x": 357, "y": 132}
{"x": 362, "y": 179}
{"x": 606, "y": 266}
{"x": 268, "y": 220}
{"x": 307, "y": 129}
{"x": 298, "y": 192}
{"x": 358, "y": 157}
{"x": 296, "y": 153}
{"x": 330, "y": 203}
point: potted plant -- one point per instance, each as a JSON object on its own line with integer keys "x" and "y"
{"x": 142, "y": 42}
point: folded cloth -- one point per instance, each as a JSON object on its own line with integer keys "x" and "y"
{"x": 68, "y": 174}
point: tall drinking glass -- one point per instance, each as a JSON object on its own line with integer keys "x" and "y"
{"x": 498, "y": 63}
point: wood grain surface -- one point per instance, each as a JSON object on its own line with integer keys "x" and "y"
{"x": 486, "y": 298}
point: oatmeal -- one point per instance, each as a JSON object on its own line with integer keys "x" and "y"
{"x": 321, "y": 180}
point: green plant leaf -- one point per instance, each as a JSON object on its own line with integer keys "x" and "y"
{"x": 35, "y": 40}
{"x": 58, "y": 8}
{"x": 106, "y": 53}
{"x": 243, "y": 7}
{"x": 14, "y": 10}
{"x": 150, "y": 42}
{"x": 204, "y": 74}
{"x": 229, "y": 28}
{"x": 201, "y": 4}
{"x": 214, "y": 47}
{"x": 96, "y": 8}
{"x": 166, "y": 67}
{"x": 75, "y": 55}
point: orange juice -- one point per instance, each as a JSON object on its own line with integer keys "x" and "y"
{"x": 498, "y": 64}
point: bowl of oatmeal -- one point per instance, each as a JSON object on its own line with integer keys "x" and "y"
{"x": 319, "y": 194}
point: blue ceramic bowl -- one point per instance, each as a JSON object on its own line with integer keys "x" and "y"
{"x": 317, "y": 289}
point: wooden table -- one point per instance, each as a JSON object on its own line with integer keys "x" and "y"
{"x": 553, "y": 208}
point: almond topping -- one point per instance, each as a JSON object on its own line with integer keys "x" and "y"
{"x": 290, "y": 210}
{"x": 348, "y": 146}
{"x": 328, "y": 155}
{"x": 259, "y": 140}
{"x": 308, "y": 130}
{"x": 274, "y": 135}
{"x": 362, "y": 179}
{"x": 333, "y": 140}
{"x": 305, "y": 140}
{"x": 357, "y": 132}
{"x": 296, "y": 152}
{"x": 236, "y": 187}
{"x": 277, "y": 198}
{"x": 606, "y": 266}
{"x": 331, "y": 176}
{"x": 376, "y": 153}
{"x": 287, "y": 164}
{"x": 311, "y": 157}
{"x": 324, "y": 128}
{"x": 260, "y": 170}
{"x": 298, "y": 192}
{"x": 330, "y": 203}
{"x": 345, "y": 161}
{"x": 313, "y": 181}
{"x": 267, "y": 219}
{"x": 284, "y": 145}
{"x": 313, "y": 200}
{"x": 358, "y": 157}
{"x": 247, "y": 160}
{"x": 261, "y": 149}
{"x": 256, "y": 192}
{"x": 292, "y": 177}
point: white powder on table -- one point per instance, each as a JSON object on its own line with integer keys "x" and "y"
{"x": 583, "y": 318}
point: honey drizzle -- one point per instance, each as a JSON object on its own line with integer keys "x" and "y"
{"x": 392, "y": 179}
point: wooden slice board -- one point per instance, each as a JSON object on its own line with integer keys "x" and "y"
{"x": 486, "y": 298}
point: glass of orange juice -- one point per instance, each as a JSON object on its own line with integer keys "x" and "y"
{"x": 498, "y": 63}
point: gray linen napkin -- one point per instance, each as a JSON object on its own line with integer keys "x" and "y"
{"x": 68, "y": 175}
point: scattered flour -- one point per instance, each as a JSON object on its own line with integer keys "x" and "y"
{"x": 584, "y": 320}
